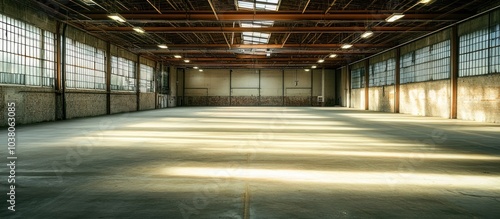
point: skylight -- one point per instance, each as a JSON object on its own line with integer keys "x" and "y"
{"x": 255, "y": 37}
{"x": 257, "y": 5}
{"x": 257, "y": 24}
{"x": 267, "y": 5}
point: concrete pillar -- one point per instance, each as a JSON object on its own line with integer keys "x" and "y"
{"x": 397, "y": 76}
{"x": 367, "y": 80}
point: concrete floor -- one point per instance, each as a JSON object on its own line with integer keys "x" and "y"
{"x": 256, "y": 162}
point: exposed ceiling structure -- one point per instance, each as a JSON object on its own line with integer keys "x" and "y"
{"x": 260, "y": 33}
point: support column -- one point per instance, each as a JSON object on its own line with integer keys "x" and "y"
{"x": 454, "y": 71}
{"x": 348, "y": 86}
{"x": 397, "y": 76}
{"x": 367, "y": 85}
{"x": 283, "y": 86}
{"x": 108, "y": 78}
{"x": 138, "y": 82}
{"x": 323, "y": 86}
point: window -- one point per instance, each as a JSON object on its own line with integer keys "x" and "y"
{"x": 358, "y": 78}
{"x": 426, "y": 64}
{"x": 85, "y": 66}
{"x": 122, "y": 74}
{"x": 495, "y": 48}
{"x": 147, "y": 83}
{"x": 473, "y": 51}
{"x": 382, "y": 73}
{"x": 27, "y": 54}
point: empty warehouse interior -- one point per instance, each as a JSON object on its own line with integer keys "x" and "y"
{"x": 250, "y": 109}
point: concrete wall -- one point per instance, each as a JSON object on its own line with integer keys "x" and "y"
{"x": 358, "y": 98}
{"x": 298, "y": 87}
{"x": 254, "y": 87}
{"x": 430, "y": 98}
{"x": 85, "y": 104}
{"x": 271, "y": 87}
{"x": 32, "y": 104}
{"x": 479, "y": 98}
{"x": 381, "y": 98}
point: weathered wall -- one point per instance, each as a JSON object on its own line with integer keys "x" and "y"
{"x": 381, "y": 98}
{"x": 147, "y": 101}
{"x": 32, "y": 104}
{"x": 430, "y": 98}
{"x": 271, "y": 87}
{"x": 85, "y": 104}
{"x": 298, "y": 87}
{"x": 358, "y": 98}
{"x": 123, "y": 102}
{"x": 479, "y": 98}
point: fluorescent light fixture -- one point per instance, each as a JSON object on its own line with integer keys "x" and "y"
{"x": 177, "y": 56}
{"x": 333, "y": 55}
{"x": 367, "y": 34}
{"x": 314, "y": 66}
{"x": 346, "y": 46}
{"x": 195, "y": 67}
{"x": 186, "y": 60}
{"x": 394, "y": 17}
{"x": 321, "y": 61}
{"x": 117, "y": 17}
{"x": 306, "y": 69}
{"x": 139, "y": 30}
{"x": 268, "y": 54}
{"x": 163, "y": 46}
{"x": 201, "y": 70}
{"x": 424, "y": 1}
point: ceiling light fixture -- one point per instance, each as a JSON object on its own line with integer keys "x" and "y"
{"x": 139, "y": 30}
{"x": 177, "y": 56}
{"x": 333, "y": 55}
{"x": 367, "y": 34}
{"x": 186, "y": 60}
{"x": 163, "y": 46}
{"x": 117, "y": 17}
{"x": 321, "y": 61}
{"x": 394, "y": 17}
{"x": 306, "y": 69}
{"x": 195, "y": 67}
{"x": 314, "y": 66}
{"x": 346, "y": 46}
{"x": 201, "y": 70}
{"x": 424, "y": 1}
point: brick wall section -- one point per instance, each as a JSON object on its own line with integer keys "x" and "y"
{"x": 297, "y": 101}
{"x": 245, "y": 101}
{"x": 85, "y": 104}
{"x": 32, "y": 104}
{"x": 271, "y": 101}
{"x": 147, "y": 101}
{"x": 479, "y": 98}
{"x": 123, "y": 103}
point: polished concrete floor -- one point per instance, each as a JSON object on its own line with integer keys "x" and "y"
{"x": 256, "y": 162}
